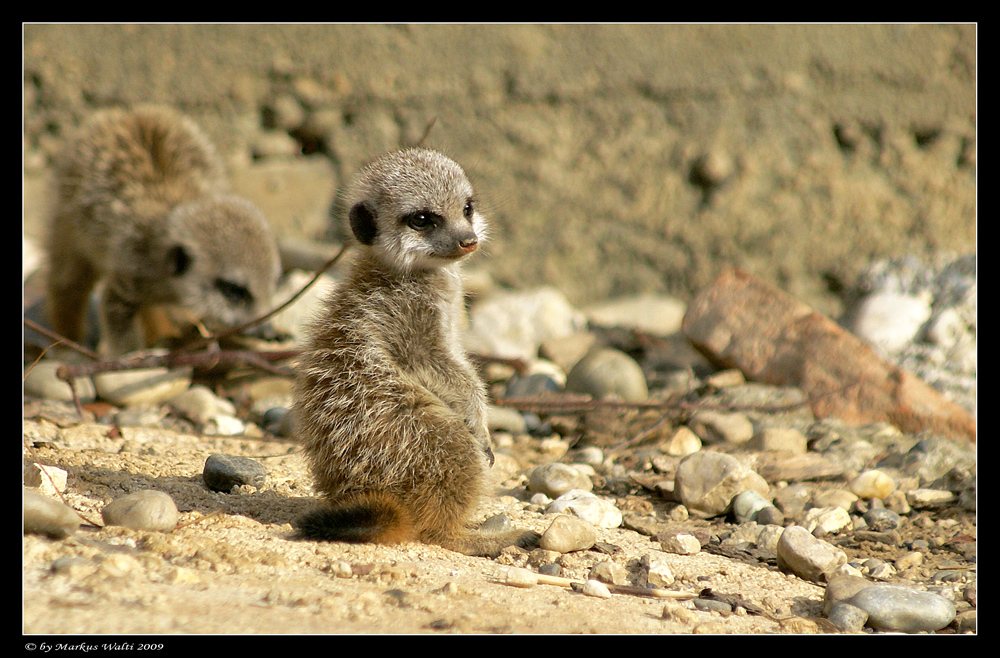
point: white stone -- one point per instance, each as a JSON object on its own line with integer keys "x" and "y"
{"x": 890, "y": 321}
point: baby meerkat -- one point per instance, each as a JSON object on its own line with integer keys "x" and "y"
{"x": 141, "y": 207}
{"x": 391, "y": 413}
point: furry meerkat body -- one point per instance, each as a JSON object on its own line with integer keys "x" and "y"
{"x": 141, "y": 206}
{"x": 391, "y": 413}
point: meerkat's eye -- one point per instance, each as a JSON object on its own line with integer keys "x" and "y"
{"x": 421, "y": 221}
{"x": 234, "y": 293}
{"x": 468, "y": 210}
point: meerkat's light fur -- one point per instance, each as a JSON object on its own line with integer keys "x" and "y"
{"x": 142, "y": 206}
{"x": 391, "y": 413}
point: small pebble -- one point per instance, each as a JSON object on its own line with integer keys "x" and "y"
{"x": 537, "y": 383}
{"x": 928, "y": 497}
{"x": 608, "y": 572}
{"x": 770, "y": 515}
{"x": 679, "y": 542}
{"x": 143, "y": 510}
{"x": 848, "y": 618}
{"x": 43, "y": 516}
{"x": 897, "y": 608}
{"x": 842, "y": 587}
{"x": 711, "y": 605}
{"x": 872, "y": 484}
{"x": 826, "y": 520}
{"x": 49, "y": 480}
{"x": 201, "y": 405}
{"x": 684, "y": 442}
{"x": 881, "y": 519}
{"x": 657, "y": 570}
{"x": 707, "y": 481}
{"x": 806, "y": 556}
{"x": 597, "y": 589}
{"x": 605, "y": 372}
{"x": 555, "y": 479}
{"x": 502, "y": 419}
{"x": 589, "y": 507}
{"x": 567, "y": 534}
{"x": 223, "y": 472}
{"x": 518, "y": 577}
{"x": 747, "y": 504}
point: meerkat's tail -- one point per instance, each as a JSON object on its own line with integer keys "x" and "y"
{"x": 372, "y": 518}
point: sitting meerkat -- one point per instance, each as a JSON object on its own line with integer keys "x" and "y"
{"x": 141, "y": 209}
{"x": 391, "y": 413}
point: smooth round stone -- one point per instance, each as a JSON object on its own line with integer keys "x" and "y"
{"x": 707, "y": 481}
{"x": 596, "y": 588}
{"x": 842, "y": 587}
{"x": 747, "y": 504}
{"x": 771, "y": 516}
{"x": 223, "y": 472}
{"x": 769, "y": 536}
{"x": 589, "y": 507}
{"x": 201, "y": 405}
{"x": 881, "y": 519}
{"x": 872, "y": 484}
{"x": 660, "y": 315}
{"x": 502, "y": 419}
{"x": 43, "y": 516}
{"x": 605, "y": 372}
{"x": 537, "y": 383}
{"x": 555, "y": 479}
{"x": 684, "y": 442}
{"x": 848, "y": 618}
{"x": 41, "y": 382}
{"x": 609, "y": 572}
{"x": 143, "y": 510}
{"x": 128, "y": 388}
{"x": 514, "y": 324}
{"x": 897, "y": 608}
{"x": 567, "y": 534}
{"x": 806, "y": 556}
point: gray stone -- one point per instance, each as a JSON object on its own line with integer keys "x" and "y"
{"x": 806, "y": 556}
{"x": 41, "y": 382}
{"x": 514, "y": 324}
{"x": 605, "y": 372}
{"x": 44, "y": 516}
{"x": 143, "y": 510}
{"x": 897, "y": 608}
{"x": 747, "y": 504}
{"x": 848, "y": 618}
{"x": 880, "y": 519}
{"x": 223, "y": 472}
{"x": 707, "y": 481}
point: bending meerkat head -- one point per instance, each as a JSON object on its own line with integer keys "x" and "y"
{"x": 223, "y": 261}
{"x": 416, "y": 210}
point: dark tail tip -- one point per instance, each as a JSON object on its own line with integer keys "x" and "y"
{"x": 370, "y": 520}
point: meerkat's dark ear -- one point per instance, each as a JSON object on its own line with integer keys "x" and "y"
{"x": 178, "y": 260}
{"x": 363, "y": 223}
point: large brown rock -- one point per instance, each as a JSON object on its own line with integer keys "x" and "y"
{"x": 740, "y": 321}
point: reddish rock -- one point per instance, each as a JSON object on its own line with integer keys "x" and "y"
{"x": 742, "y": 322}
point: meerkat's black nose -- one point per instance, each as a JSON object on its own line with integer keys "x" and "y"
{"x": 469, "y": 244}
